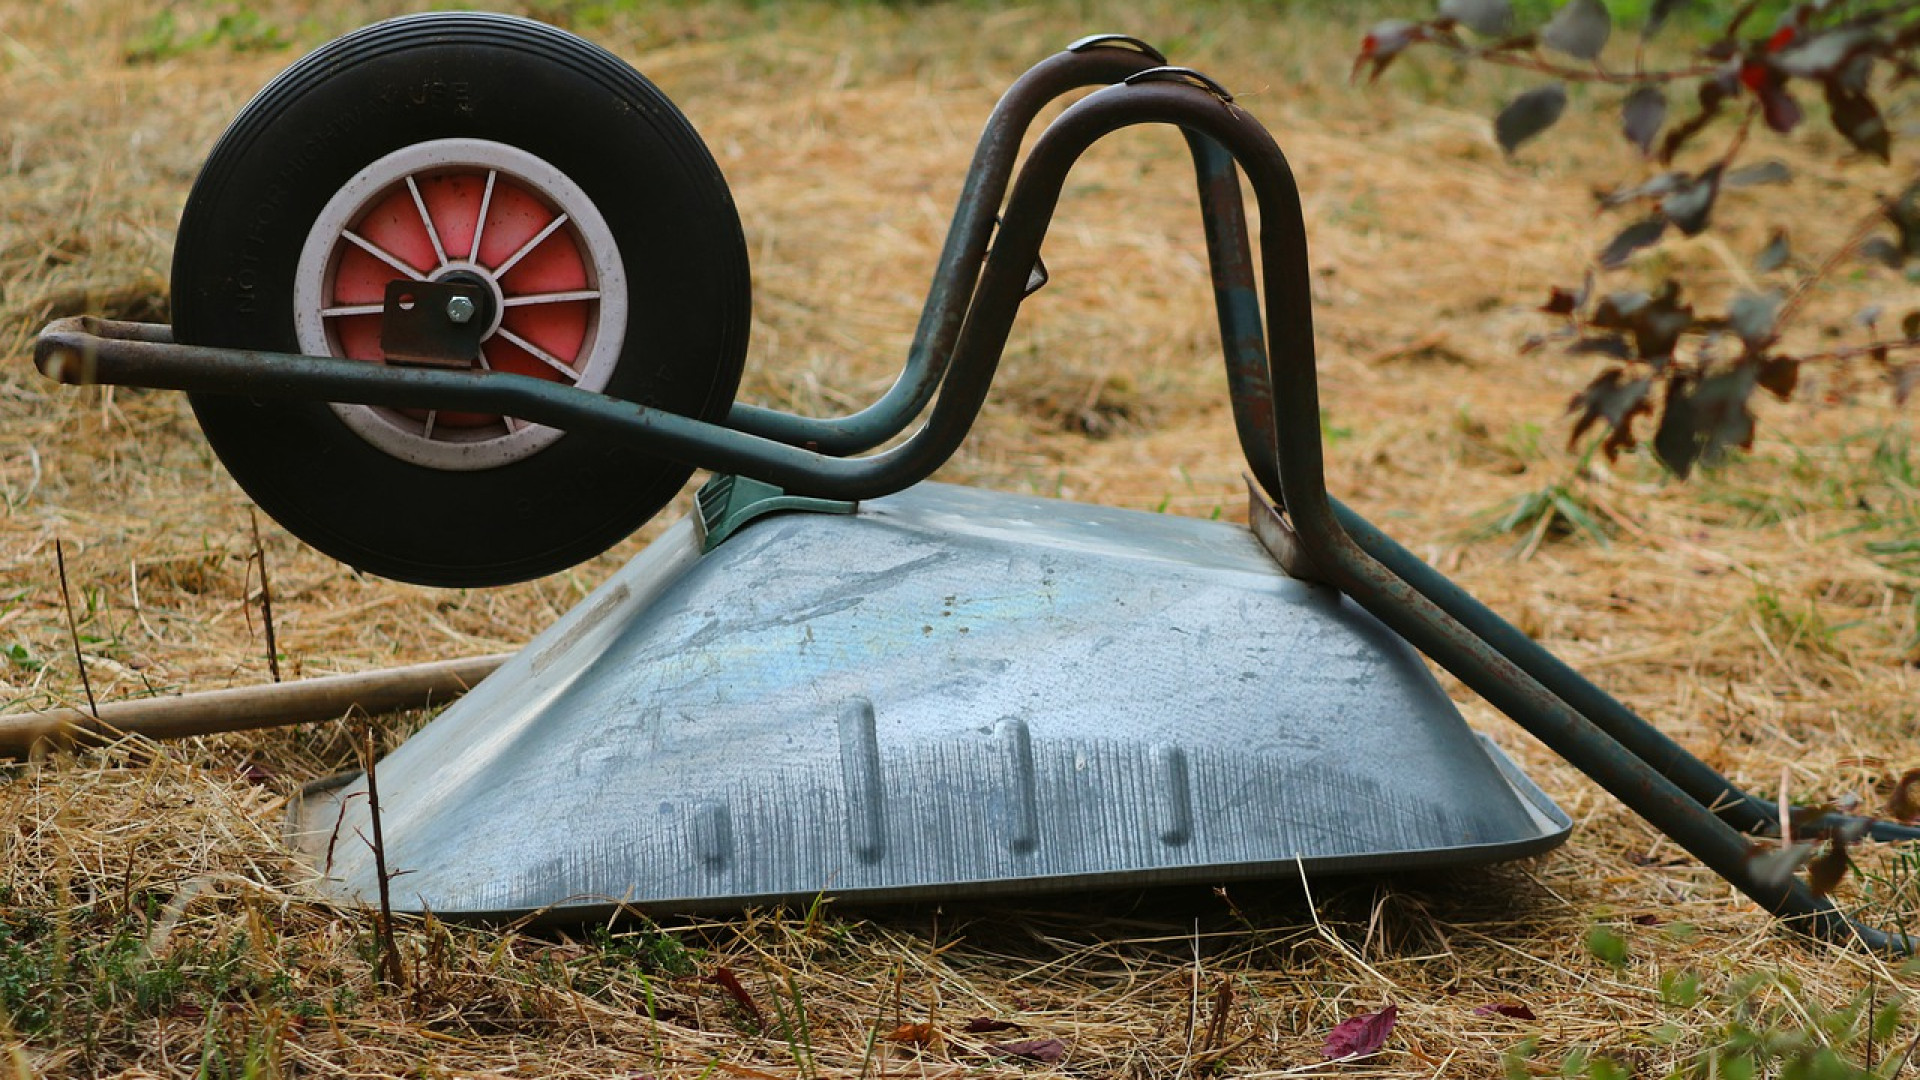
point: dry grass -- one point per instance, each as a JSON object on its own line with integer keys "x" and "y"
{"x": 152, "y": 924}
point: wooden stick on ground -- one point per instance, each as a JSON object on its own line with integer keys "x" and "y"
{"x": 248, "y": 707}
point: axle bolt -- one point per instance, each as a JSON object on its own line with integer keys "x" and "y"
{"x": 460, "y": 309}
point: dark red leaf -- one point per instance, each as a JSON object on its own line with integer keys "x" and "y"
{"x": 725, "y": 979}
{"x": 1506, "y": 1008}
{"x": 1825, "y": 54}
{"x": 1528, "y": 115}
{"x": 1617, "y": 311}
{"x": 1658, "y": 323}
{"x": 1879, "y": 249}
{"x": 1631, "y": 239}
{"x": 1771, "y": 171}
{"x": 1612, "y": 397}
{"x": 1691, "y": 205}
{"x": 1046, "y": 1050}
{"x": 1825, "y": 873}
{"x": 1561, "y": 302}
{"x": 1774, "y": 865}
{"x": 1658, "y": 14}
{"x": 981, "y": 1025}
{"x": 1385, "y": 41}
{"x": 1664, "y": 184}
{"x": 1361, "y": 1036}
{"x": 1904, "y": 805}
{"x": 1605, "y": 345}
{"x": 1905, "y": 380}
{"x": 1712, "y": 93}
{"x": 1904, "y": 212}
{"x": 1580, "y": 29}
{"x": 1642, "y": 115}
{"x": 1752, "y": 316}
{"x": 1705, "y": 417}
{"x": 1488, "y": 18}
{"x": 1858, "y": 120}
{"x": 1779, "y": 375}
{"x": 1777, "y": 107}
{"x": 255, "y": 773}
{"x": 1775, "y": 254}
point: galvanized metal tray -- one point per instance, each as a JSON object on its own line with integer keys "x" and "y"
{"x": 949, "y": 692}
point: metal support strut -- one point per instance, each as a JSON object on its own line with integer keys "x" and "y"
{"x": 963, "y": 331}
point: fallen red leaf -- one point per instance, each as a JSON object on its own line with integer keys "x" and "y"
{"x": 1047, "y": 1050}
{"x": 725, "y": 979}
{"x": 918, "y": 1034}
{"x": 1361, "y": 1036}
{"x": 1905, "y": 803}
{"x": 980, "y": 1025}
{"x": 1506, "y": 1008}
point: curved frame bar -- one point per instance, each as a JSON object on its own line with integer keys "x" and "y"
{"x": 1093, "y": 61}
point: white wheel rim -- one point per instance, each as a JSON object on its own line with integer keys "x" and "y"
{"x": 567, "y": 334}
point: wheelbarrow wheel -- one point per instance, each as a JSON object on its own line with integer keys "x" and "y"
{"x": 494, "y": 151}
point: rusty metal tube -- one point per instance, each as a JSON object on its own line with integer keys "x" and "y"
{"x": 1090, "y": 62}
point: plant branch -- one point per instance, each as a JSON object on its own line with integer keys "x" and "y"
{"x": 1854, "y": 352}
{"x": 1596, "y": 74}
{"x": 73, "y": 627}
{"x": 1855, "y": 237}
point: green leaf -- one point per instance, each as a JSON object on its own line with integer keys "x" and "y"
{"x": 1680, "y": 989}
{"x": 1607, "y": 947}
{"x": 1605, "y": 1068}
{"x": 1517, "y": 1056}
{"x": 1886, "y": 1021}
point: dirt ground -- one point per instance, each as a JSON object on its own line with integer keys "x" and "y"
{"x": 1764, "y": 614}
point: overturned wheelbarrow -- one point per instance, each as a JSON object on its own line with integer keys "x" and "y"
{"x": 462, "y": 299}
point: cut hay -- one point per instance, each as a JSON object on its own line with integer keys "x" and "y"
{"x": 152, "y": 923}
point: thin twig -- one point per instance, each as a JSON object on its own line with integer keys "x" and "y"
{"x": 1857, "y": 236}
{"x": 1852, "y": 352}
{"x": 73, "y": 627}
{"x": 266, "y": 596}
{"x": 1533, "y": 61}
{"x": 391, "y": 971}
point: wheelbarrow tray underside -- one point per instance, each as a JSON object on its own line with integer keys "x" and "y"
{"x": 949, "y": 692}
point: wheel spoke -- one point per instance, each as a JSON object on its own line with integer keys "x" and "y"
{"x": 383, "y": 255}
{"x": 345, "y": 310}
{"x": 433, "y": 234}
{"x": 480, "y": 223}
{"x": 432, "y": 415}
{"x": 551, "y": 297}
{"x": 543, "y": 355}
{"x": 527, "y": 248}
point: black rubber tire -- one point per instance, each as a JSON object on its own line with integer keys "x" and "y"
{"x": 512, "y": 81}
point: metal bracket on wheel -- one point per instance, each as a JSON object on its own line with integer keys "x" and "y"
{"x": 434, "y": 323}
